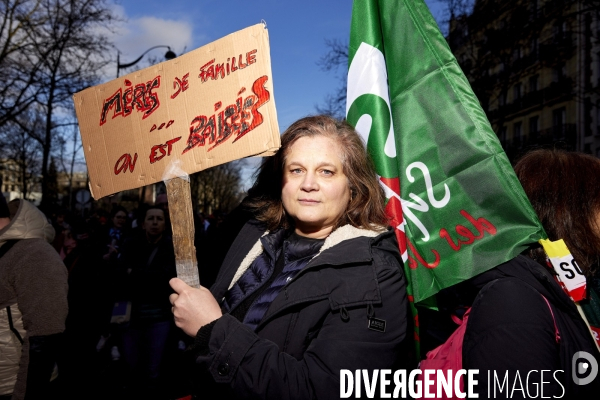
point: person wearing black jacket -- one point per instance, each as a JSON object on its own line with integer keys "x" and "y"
{"x": 512, "y": 330}
{"x": 149, "y": 262}
{"x": 522, "y": 320}
{"x": 313, "y": 287}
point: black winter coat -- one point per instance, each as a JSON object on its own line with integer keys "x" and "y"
{"x": 511, "y": 328}
{"x": 148, "y": 267}
{"x": 315, "y": 327}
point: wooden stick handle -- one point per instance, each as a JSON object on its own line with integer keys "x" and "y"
{"x": 182, "y": 223}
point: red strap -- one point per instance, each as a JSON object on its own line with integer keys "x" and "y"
{"x": 556, "y": 332}
{"x": 459, "y": 321}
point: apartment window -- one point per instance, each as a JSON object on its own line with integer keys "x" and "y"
{"x": 564, "y": 28}
{"x": 533, "y": 47}
{"x": 516, "y": 54}
{"x": 559, "y": 117}
{"x": 587, "y": 117}
{"x": 502, "y": 99}
{"x": 560, "y": 29}
{"x": 517, "y": 132}
{"x": 517, "y": 91}
{"x": 533, "y": 83}
{"x": 558, "y": 73}
{"x": 534, "y": 125}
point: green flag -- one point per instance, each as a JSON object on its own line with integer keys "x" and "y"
{"x": 456, "y": 203}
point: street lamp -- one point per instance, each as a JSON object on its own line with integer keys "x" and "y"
{"x": 169, "y": 55}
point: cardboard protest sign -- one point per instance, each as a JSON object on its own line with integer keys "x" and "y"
{"x": 204, "y": 108}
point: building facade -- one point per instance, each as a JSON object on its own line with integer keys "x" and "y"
{"x": 12, "y": 181}
{"x": 535, "y": 67}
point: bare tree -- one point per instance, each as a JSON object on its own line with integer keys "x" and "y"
{"x": 69, "y": 156}
{"x": 57, "y": 48}
{"x": 23, "y": 153}
{"x": 18, "y": 63}
{"x": 336, "y": 61}
{"x": 218, "y": 188}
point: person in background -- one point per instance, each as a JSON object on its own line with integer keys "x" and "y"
{"x": 33, "y": 301}
{"x": 205, "y": 223}
{"x": 118, "y": 218}
{"x": 109, "y": 238}
{"x": 162, "y": 201}
{"x": 307, "y": 287}
{"x": 564, "y": 190}
{"x": 89, "y": 314}
{"x": 521, "y": 319}
{"x": 60, "y": 224}
{"x": 148, "y": 261}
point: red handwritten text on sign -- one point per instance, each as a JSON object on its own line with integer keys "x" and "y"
{"x": 181, "y": 85}
{"x": 168, "y": 124}
{"x": 160, "y": 148}
{"x": 141, "y": 97}
{"x": 216, "y": 71}
{"x": 125, "y": 162}
{"x": 236, "y": 119}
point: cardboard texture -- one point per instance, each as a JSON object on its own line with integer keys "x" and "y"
{"x": 205, "y": 108}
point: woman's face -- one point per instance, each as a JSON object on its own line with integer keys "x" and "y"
{"x": 119, "y": 219}
{"x": 154, "y": 222}
{"x": 315, "y": 190}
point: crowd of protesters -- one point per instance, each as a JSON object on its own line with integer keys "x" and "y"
{"x": 133, "y": 331}
{"x": 117, "y": 340}
{"x": 120, "y": 321}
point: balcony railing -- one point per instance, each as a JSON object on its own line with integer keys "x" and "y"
{"x": 560, "y": 89}
{"x": 555, "y": 91}
{"x": 565, "y": 134}
{"x": 561, "y": 136}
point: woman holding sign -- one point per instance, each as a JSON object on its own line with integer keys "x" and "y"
{"x": 311, "y": 287}
{"x": 523, "y": 325}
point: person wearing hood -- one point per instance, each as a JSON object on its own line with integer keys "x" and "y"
{"x": 33, "y": 301}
